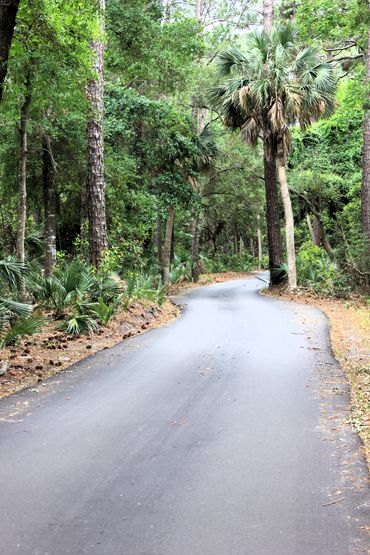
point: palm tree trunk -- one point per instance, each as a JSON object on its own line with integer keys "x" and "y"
{"x": 50, "y": 202}
{"x": 365, "y": 193}
{"x": 272, "y": 213}
{"x": 22, "y": 200}
{"x": 8, "y": 14}
{"x": 166, "y": 257}
{"x": 95, "y": 139}
{"x": 289, "y": 223}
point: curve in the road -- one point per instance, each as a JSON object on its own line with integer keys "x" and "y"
{"x": 223, "y": 434}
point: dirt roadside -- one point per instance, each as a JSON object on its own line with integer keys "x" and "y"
{"x": 350, "y": 339}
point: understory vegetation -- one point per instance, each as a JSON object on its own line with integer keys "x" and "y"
{"x": 145, "y": 143}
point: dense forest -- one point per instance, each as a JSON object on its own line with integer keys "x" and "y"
{"x": 145, "y": 142}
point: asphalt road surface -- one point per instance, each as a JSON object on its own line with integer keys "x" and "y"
{"x": 224, "y": 433}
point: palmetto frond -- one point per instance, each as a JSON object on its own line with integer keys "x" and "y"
{"x": 230, "y": 59}
{"x": 272, "y": 85}
{"x": 250, "y": 131}
{"x": 12, "y": 274}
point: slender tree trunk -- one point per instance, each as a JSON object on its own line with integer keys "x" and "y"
{"x": 241, "y": 246}
{"x": 199, "y": 117}
{"x": 8, "y": 14}
{"x": 198, "y": 10}
{"x": 317, "y": 231}
{"x": 50, "y": 204}
{"x": 95, "y": 138}
{"x": 236, "y": 239}
{"x": 310, "y": 229}
{"x": 167, "y": 246}
{"x": 365, "y": 193}
{"x": 272, "y": 213}
{"x": 195, "y": 235}
{"x": 289, "y": 223}
{"x": 268, "y": 14}
{"x": 259, "y": 241}
{"x": 172, "y": 254}
{"x": 203, "y": 117}
{"x": 22, "y": 201}
{"x": 159, "y": 239}
{"x": 251, "y": 246}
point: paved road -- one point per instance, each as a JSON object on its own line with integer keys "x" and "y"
{"x": 222, "y": 434}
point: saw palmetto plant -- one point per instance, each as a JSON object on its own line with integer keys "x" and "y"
{"x": 16, "y": 319}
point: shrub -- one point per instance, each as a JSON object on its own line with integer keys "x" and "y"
{"x": 317, "y": 271}
{"x": 229, "y": 263}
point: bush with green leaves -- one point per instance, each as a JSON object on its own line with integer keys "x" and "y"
{"x": 141, "y": 286}
{"x": 75, "y": 282}
{"x": 318, "y": 272}
{"x": 229, "y": 263}
{"x": 17, "y": 319}
{"x": 180, "y": 269}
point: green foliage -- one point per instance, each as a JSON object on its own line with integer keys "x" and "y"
{"x": 18, "y": 328}
{"x": 332, "y": 21}
{"x": 16, "y": 318}
{"x": 180, "y": 269}
{"x": 319, "y": 273}
{"x": 326, "y": 168}
{"x": 229, "y": 263}
{"x": 140, "y": 286}
{"x": 76, "y": 285}
{"x": 12, "y": 274}
{"x": 154, "y": 55}
{"x": 104, "y": 311}
{"x": 79, "y": 324}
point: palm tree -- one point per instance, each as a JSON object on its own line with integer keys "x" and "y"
{"x": 272, "y": 86}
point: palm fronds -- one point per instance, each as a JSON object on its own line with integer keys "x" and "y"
{"x": 12, "y": 274}
{"x": 20, "y": 327}
{"x": 272, "y": 85}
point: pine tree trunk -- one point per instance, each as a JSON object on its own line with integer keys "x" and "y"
{"x": 8, "y": 14}
{"x": 289, "y": 223}
{"x": 268, "y": 14}
{"x": 167, "y": 246}
{"x": 272, "y": 213}
{"x": 50, "y": 202}
{"x": 365, "y": 193}
{"x": 95, "y": 139}
{"x": 259, "y": 241}
{"x": 22, "y": 200}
